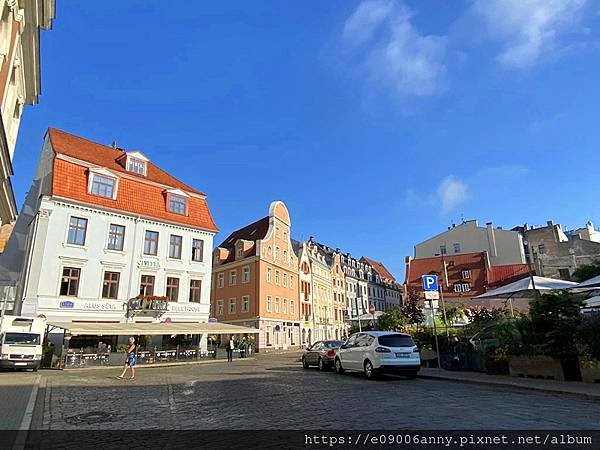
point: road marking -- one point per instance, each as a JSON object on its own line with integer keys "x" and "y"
{"x": 19, "y": 443}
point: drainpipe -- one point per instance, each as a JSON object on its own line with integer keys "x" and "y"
{"x": 133, "y": 253}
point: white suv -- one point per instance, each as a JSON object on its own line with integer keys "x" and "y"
{"x": 374, "y": 352}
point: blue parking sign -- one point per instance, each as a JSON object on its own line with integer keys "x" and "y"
{"x": 430, "y": 282}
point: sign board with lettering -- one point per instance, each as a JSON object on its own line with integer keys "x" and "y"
{"x": 432, "y": 295}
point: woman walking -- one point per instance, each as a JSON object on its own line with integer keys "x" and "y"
{"x": 130, "y": 361}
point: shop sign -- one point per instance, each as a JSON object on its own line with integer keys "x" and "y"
{"x": 184, "y": 308}
{"x": 67, "y": 304}
{"x": 148, "y": 264}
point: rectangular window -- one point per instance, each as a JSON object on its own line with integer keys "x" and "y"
{"x": 466, "y": 274}
{"x": 110, "y": 287}
{"x": 219, "y": 307}
{"x": 291, "y": 281}
{"x": 221, "y": 280}
{"x": 177, "y": 204}
{"x": 232, "y": 305}
{"x": 245, "y": 303}
{"x": 151, "y": 243}
{"x": 69, "y": 283}
{"x": 175, "y": 246}
{"x": 466, "y": 287}
{"x": 147, "y": 285}
{"x": 269, "y": 303}
{"x": 443, "y": 249}
{"x": 232, "y": 277}
{"x": 541, "y": 249}
{"x": 285, "y": 280}
{"x": 564, "y": 274}
{"x": 269, "y": 272}
{"x": 456, "y": 247}
{"x": 197, "y": 250}
{"x": 116, "y": 237}
{"x": 103, "y": 186}
{"x": 285, "y": 305}
{"x": 195, "y": 291}
{"x": 137, "y": 166}
{"x": 246, "y": 275}
{"x": 277, "y": 277}
{"x": 173, "y": 289}
{"x": 277, "y": 304}
{"x": 77, "y": 231}
{"x": 292, "y": 307}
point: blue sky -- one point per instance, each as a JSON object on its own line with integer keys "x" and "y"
{"x": 392, "y": 119}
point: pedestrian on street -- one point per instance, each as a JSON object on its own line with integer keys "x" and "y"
{"x": 130, "y": 361}
{"x": 230, "y": 347}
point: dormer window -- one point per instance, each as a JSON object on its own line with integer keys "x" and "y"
{"x": 102, "y": 183}
{"x": 177, "y": 201}
{"x": 135, "y": 162}
{"x": 177, "y": 204}
{"x": 137, "y": 166}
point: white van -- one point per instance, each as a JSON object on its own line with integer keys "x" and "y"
{"x": 21, "y": 340}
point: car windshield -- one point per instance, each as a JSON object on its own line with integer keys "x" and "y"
{"x": 333, "y": 344}
{"x": 22, "y": 338}
{"x": 396, "y": 340}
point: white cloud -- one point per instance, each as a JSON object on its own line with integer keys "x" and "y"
{"x": 528, "y": 28}
{"x": 391, "y": 51}
{"x": 451, "y": 193}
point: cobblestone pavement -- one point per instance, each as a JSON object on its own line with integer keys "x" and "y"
{"x": 274, "y": 392}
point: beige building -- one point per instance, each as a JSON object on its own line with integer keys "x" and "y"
{"x": 20, "y": 24}
{"x": 255, "y": 280}
{"x": 502, "y": 246}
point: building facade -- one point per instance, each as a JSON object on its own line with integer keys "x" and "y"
{"x": 463, "y": 277}
{"x": 256, "y": 280}
{"x": 322, "y": 292}
{"x": 102, "y": 227}
{"x": 20, "y": 25}
{"x": 389, "y": 290}
{"x": 307, "y": 317}
{"x": 502, "y": 246}
{"x": 557, "y": 254}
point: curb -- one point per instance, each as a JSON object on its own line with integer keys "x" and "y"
{"x": 156, "y": 366}
{"x": 509, "y": 385}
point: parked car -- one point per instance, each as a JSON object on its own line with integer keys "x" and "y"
{"x": 376, "y": 352}
{"x": 321, "y": 354}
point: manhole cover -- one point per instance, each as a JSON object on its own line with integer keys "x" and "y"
{"x": 89, "y": 418}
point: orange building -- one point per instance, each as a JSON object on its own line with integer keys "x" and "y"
{"x": 256, "y": 280}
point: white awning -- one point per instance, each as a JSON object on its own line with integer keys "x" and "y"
{"x": 140, "y": 328}
{"x": 523, "y": 288}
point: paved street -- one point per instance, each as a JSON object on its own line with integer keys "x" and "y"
{"x": 274, "y": 392}
{"x": 15, "y": 391}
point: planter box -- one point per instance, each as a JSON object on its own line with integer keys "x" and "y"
{"x": 536, "y": 367}
{"x": 590, "y": 371}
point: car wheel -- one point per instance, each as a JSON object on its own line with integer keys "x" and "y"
{"x": 369, "y": 370}
{"x": 338, "y": 366}
{"x": 322, "y": 365}
{"x": 304, "y": 363}
{"x": 411, "y": 375}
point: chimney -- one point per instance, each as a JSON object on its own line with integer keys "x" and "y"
{"x": 550, "y": 223}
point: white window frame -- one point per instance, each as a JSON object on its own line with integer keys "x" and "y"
{"x": 221, "y": 280}
{"x": 232, "y": 303}
{"x": 245, "y": 306}
{"x": 232, "y": 277}
{"x": 466, "y": 274}
{"x": 269, "y": 275}
{"x": 269, "y": 303}
{"x": 277, "y": 304}
{"x": 245, "y": 274}
{"x": 219, "y": 311}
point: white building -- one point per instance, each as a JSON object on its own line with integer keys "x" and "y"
{"x": 20, "y": 24}
{"x": 502, "y": 246}
{"x": 102, "y": 226}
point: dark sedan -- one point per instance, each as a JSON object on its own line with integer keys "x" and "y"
{"x": 321, "y": 354}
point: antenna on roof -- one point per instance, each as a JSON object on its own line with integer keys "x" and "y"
{"x": 114, "y": 144}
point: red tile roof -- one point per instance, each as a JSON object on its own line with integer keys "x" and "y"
{"x": 70, "y": 180}
{"x": 106, "y": 156}
{"x": 501, "y": 275}
{"x": 381, "y": 269}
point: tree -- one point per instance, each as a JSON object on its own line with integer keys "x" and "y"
{"x": 555, "y": 318}
{"x": 393, "y": 320}
{"x": 587, "y": 271}
{"x": 411, "y": 308}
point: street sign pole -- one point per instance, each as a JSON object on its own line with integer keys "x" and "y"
{"x": 358, "y": 313}
{"x": 437, "y": 344}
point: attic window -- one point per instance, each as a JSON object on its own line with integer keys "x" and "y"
{"x": 136, "y": 165}
{"x": 102, "y": 183}
{"x": 253, "y": 231}
{"x": 177, "y": 204}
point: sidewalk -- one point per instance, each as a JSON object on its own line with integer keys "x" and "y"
{"x": 587, "y": 390}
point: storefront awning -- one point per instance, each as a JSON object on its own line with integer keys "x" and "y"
{"x": 139, "y": 328}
